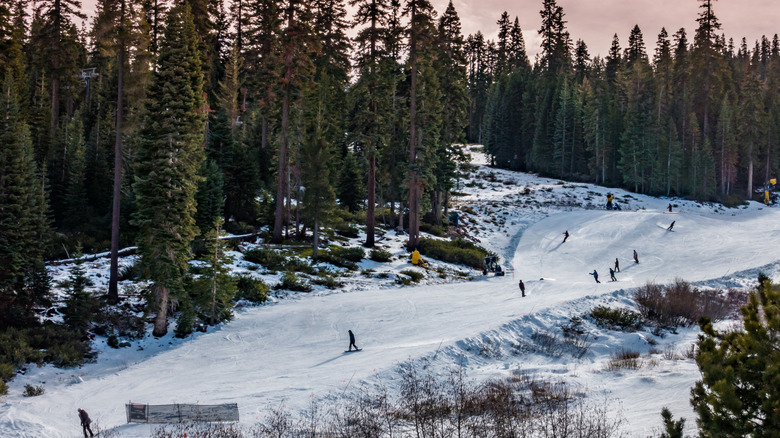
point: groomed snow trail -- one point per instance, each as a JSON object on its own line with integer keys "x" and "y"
{"x": 289, "y": 352}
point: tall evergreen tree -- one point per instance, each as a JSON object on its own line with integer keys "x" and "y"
{"x": 171, "y": 152}
{"x": 23, "y": 213}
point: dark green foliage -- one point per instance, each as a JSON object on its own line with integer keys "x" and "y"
{"x": 268, "y": 258}
{"x": 457, "y": 251}
{"x": 739, "y": 394}
{"x": 80, "y": 305}
{"x": 414, "y": 275}
{"x": 213, "y": 291}
{"x": 251, "y": 289}
{"x": 23, "y": 221}
{"x": 33, "y": 391}
{"x": 616, "y": 319}
{"x": 354, "y": 254}
{"x": 299, "y": 265}
{"x": 291, "y": 282}
{"x": 47, "y": 343}
{"x": 209, "y": 196}
{"x": 168, "y": 160}
{"x": 672, "y": 428}
{"x": 185, "y": 323}
{"x": 380, "y": 255}
{"x": 328, "y": 281}
{"x": 330, "y": 257}
{"x": 350, "y": 186}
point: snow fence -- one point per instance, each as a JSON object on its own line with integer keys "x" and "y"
{"x": 179, "y": 413}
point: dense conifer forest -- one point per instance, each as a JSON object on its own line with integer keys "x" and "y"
{"x": 163, "y": 124}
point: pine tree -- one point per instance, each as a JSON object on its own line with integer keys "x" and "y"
{"x": 672, "y": 429}
{"x": 350, "y": 187}
{"x": 171, "y": 152}
{"x": 739, "y": 393}
{"x": 209, "y": 197}
{"x": 80, "y": 305}
{"x": 318, "y": 197}
{"x": 215, "y": 288}
{"x": 23, "y": 213}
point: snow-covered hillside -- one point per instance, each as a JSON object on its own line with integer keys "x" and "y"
{"x": 291, "y": 350}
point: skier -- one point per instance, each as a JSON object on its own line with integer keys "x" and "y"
{"x": 670, "y": 208}
{"x": 85, "y": 421}
{"x": 670, "y": 226}
{"x": 595, "y": 276}
{"x": 612, "y": 274}
{"x": 522, "y": 287}
{"x": 617, "y": 265}
{"x": 565, "y": 236}
{"x": 352, "y": 341}
{"x": 636, "y": 257}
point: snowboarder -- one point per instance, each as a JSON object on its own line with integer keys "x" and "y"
{"x": 595, "y": 276}
{"x": 565, "y": 236}
{"x": 612, "y": 274}
{"x": 352, "y": 341}
{"x": 617, "y": 265}
{"x": 670, "y": 208}
{"x": 522, "y": 287}
{"x": 636, "y": 257}
{"x": 671, "y": 226}
{"x": 85, "y": 421}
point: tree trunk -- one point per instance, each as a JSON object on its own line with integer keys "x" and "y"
{"x": 281, "y": 176}
{"x": 750, "y": 173}
{"x": 161, "y": 320}
{"x": 414, "y": 223}
{"x": 370, "y": 211}
{"x": 113, "y": 291}
{"x": 316, "y": 238}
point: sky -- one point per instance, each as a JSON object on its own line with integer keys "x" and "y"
{"x": 596, "y": 21}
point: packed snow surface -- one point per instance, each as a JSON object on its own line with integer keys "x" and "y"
{"x": 292, "y": 350}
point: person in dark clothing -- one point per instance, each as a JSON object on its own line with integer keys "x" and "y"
{"x": 85, "y": 421}
{"x": 612, "y": 274}
{"x": 617, "y": 265}
{"x": 595, "y": 276}
{"x": 671, "y": 226}
{"x": 352, "y": 341}
{"x": 670, "y": 208}
{"x": 636, "y": 257}
{"x": 522, "y": 287}
{"x": 565, "y": 236}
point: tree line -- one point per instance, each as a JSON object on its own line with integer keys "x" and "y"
{"x": 696, "y": 119}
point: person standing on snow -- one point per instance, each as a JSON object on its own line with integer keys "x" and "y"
{"x": 85, "y": 422}
{"x": 617, "y": 265}
{"x": 636, "y": 257}
{"x": 522, "y": 287}
{"x": 595, "y": 276}
{"x": 670, "y": 208}
{"x": 565, "y": 236}
{"x": 352, "y": 341}
{"x": 612, "y": 274}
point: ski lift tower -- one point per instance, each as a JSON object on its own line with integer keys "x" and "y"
{"x": 86, "y": 75}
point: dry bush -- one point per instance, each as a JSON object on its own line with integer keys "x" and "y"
{"x": 681, "y": 305}
{"x": 624, "y": 359}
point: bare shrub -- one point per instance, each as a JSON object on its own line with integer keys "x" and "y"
{"x": 624, "y": 359}
{"x": 204, "y": 430}
{"x": 681, "y": 305}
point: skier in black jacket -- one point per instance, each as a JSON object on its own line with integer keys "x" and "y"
{"x": 617, "y": 265}
{"x": 85, "y": 421}
{"x": 595, "y": 276}
{"x": 352, "y": 341}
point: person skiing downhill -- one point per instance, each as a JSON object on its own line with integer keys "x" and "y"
{"x": 617, "y": 265}
{"x": 352, "y": 341}
{"x": 671, "y": 226}
{"x": 612, "y": 274}
{"x": 85, "y": 422}
{"x": 565, "y": 236}
{"x": 522, "y": 287}
{"x": 636, "y": 257}
{"x": 595, "y": 276}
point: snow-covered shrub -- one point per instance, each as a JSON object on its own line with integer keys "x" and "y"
{"x": 328, "y": 281}
{"x": 380, "y": 255}
{"x": 298, "y": 265}
{"x": 354, "y": 254}
{"x": 332, "y": 258}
